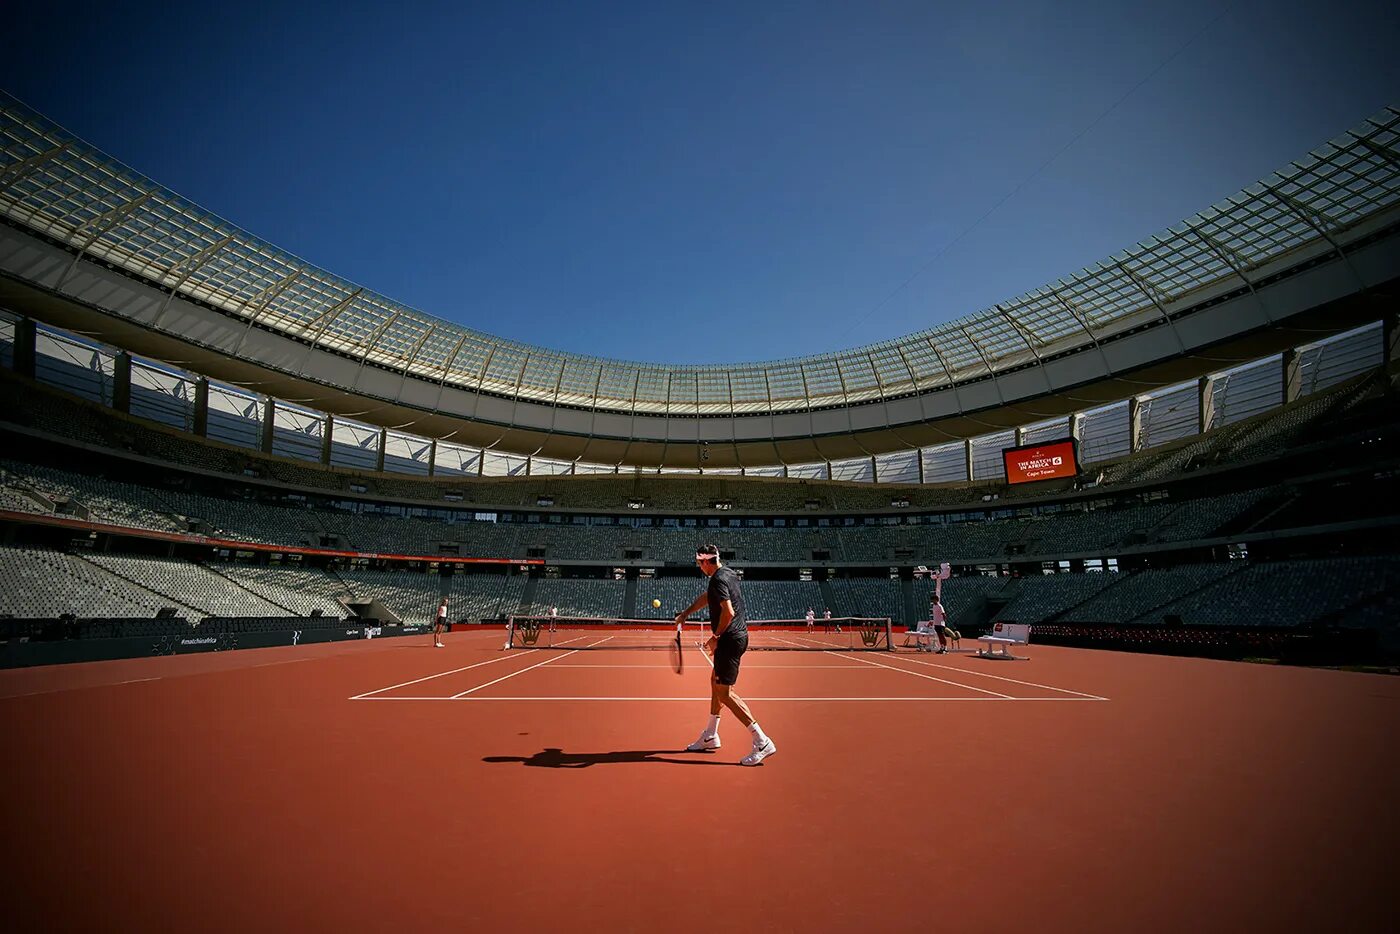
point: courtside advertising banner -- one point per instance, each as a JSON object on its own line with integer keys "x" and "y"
{"x": 1045, "y": 461}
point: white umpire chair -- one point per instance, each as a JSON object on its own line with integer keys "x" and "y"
{"x": 923, "y": 637}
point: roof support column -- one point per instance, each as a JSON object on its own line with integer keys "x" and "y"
{"x": 1292, "y": 363}
{"x": 201, "y": 407}
{"x": 1205, "y": 393}
{"x": 327, "y": 429}
{"x": 1134, "y": 425}
{"x": 1390, "y": 342}
{"x": 967, "y": 459}
{"x": 26, "y": 332}
{"x": 121, "y": 382}
{"x": 269, "y": 416}
{"x": 432, "y": 457}
{"x": 379, "y": 457}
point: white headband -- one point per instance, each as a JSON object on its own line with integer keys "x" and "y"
{"x": 699, "y": 556}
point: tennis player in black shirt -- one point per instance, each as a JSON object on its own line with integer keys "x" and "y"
{"x": 726, "y": 646}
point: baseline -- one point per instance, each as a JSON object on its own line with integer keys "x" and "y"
{"x": 696, "y": 700}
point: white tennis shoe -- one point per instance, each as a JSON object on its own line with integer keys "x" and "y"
{"x": 706, "y": 741}
{"x": 760, "y": 752}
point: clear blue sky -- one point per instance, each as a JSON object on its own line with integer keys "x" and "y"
{"x": 616, "y": 179}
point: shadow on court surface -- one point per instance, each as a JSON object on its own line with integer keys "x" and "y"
{"x": 555, "y": 758}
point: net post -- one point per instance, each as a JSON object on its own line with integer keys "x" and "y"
{"x": 889, "y": 634}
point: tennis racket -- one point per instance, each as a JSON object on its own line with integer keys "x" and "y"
{"x": 677, "y": 656}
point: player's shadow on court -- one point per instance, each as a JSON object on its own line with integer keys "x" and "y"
{"x": 555, "y": 758}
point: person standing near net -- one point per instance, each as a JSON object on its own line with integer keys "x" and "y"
{"x": 811, "y": 619}
{"x": 727, "y": 645}
{"x": 439, "y": 624}
{"x": 826, "y": 617}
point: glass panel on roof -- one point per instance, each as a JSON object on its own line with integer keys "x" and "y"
{"x": 579, "y": 380}
{"x": 504, "y": 368}
{"x": 684, "y": 387}
{"x": 823, "y": 381}
{"x": 958, "y": 354}
{"x": 785, "y": 384}
{"x": 1000, "y": 343}
{"x": 857, "y": 373}
{"x": 749, "y": 386}
{"x": 467, "y": 361}
{"x": 927, "y": 368}
{"x": 651, "y": 386}
{"x": 541, "y": 375}
{"x": 893, "y": 374}
{"x": 616, "y": 385}
{"x": 433, "y": 353}
{"x": 1105, "y": 294}
{"x": 713, "y": 386}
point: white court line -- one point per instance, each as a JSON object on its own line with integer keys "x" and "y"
{"x": 443, "y": 674}
{"x": 968, "y": 671}
{"x": 1032, "y": 684}
{"x": 693, "y": 700}
{"x": 917, "y": 674}
{"x": 906, "y": 671}
{"x": 76, "y": 687}
{"x": 530, "y": 668}
{"x": 748, "y": 666}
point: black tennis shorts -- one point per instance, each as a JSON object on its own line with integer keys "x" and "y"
{"x": 728, "y": 651}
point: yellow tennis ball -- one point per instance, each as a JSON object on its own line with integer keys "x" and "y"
{"x": 656, "y": 603}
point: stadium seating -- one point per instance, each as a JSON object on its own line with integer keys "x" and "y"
{"x": 780, "y": 599}
{"x": 478, "y": 597}
{"x": 41, "y": 582}
{"x": 675, "y": 594}
{"x": 1285, "y": 593}
{"x": 593, "y": 597}
{"x": 299, "y": 591}
{"x": 1041, "y": 598}
{"x": 413, "y": 596}
{"x": 1136, "y": 595}
{"x": 868, "y": 597}
{"x": 189, "y": 585}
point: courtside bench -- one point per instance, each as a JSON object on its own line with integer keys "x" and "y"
{"x": 1004, "y": 635}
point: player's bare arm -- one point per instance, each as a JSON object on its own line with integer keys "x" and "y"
{"x": 691, "y": 610}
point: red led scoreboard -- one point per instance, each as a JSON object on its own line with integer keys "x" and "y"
{"x": 1047, "y": 461}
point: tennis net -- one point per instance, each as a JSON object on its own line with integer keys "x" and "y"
{"x": 838, "y": 634}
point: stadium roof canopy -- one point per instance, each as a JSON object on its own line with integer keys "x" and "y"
{"x": 95, "y": 208}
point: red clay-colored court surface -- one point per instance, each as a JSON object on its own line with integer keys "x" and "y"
{"x": 387, "y": 785}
